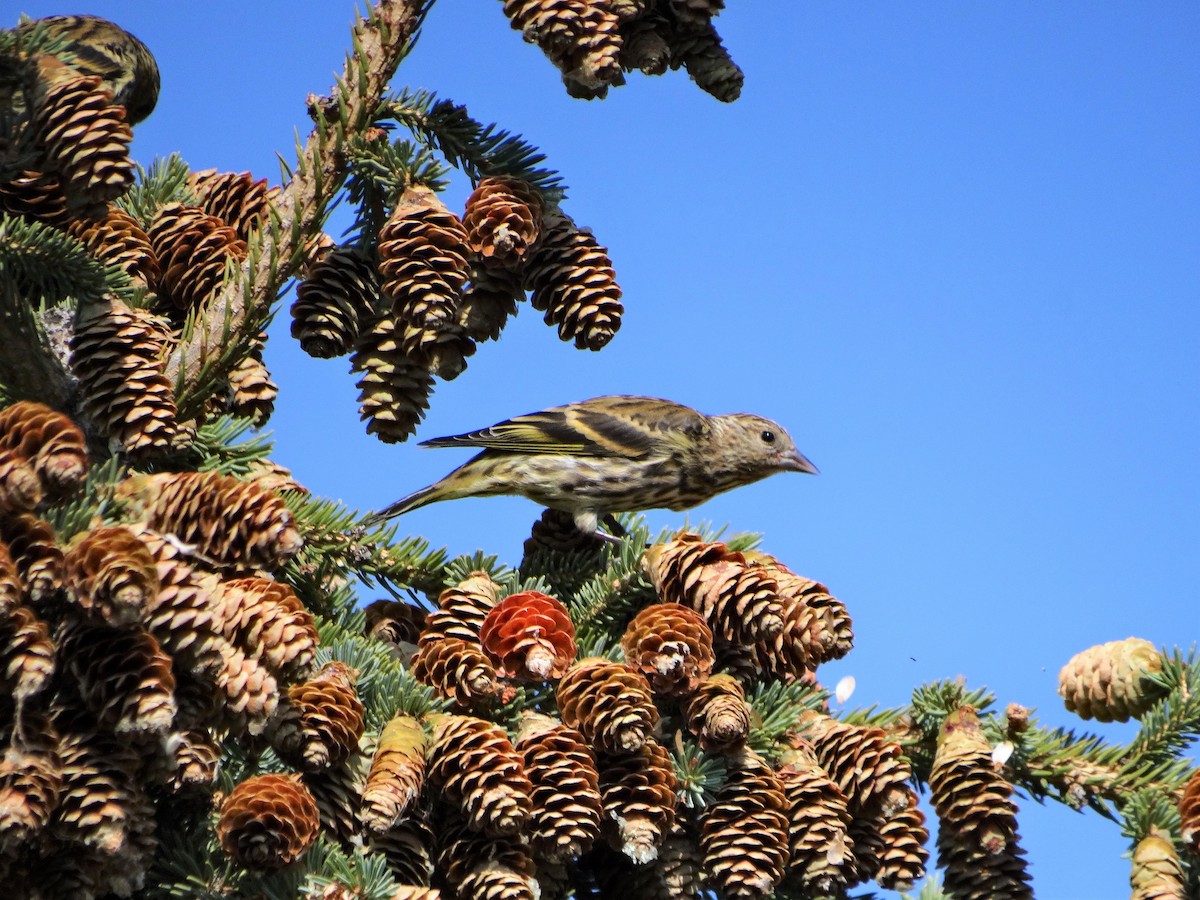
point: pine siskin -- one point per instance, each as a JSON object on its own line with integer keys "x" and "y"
{"x": 95, "y": 46}
{"x": 612, "y": 454}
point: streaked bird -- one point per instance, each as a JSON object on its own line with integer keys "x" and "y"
{"x": 609, "y": 455}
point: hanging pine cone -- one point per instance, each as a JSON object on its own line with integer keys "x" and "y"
{"x": 609, "y": 703}
{"x": 267, "y": 620}
{"x": 231, "y": 522}
{"x": 503, "y": 219}
{"x": 903, "y": 856}
{"x": 85, "y": 139}
{"x": 565, "y": 804}
{"x": 739, "y": 601}
{"x": 27, "y": 655}
{"x": 675, "y": 875}
{"x": 671, "y": 646}
{"x": 338, "y": 792}
{"x": 637, "y": 792}
{"x": 249, "y": 692}
{"x": 700, "y": 51}
{"x": 268, "y": 821}
{"x": 394, "y": 390}
{"x": 461, "y": 610}
{"x": 1113, "y": 681}
{"x": 644, "y": 44}
{"x": 408, "y": 848}
{"x": 116, "y": 239}
{"x": 117, "y": 355}
{"x": 744, "y": 831}
{"x": 252, "y": 392}
{"x": 34, "y": 551}
{"x": 696, "y": 13}
{"x": 122, "y": 675}
{"x": 333, "y": 302}
{"x": 20, "y": 490}
{"x": 488, "y": 302}
{"x": 322, "y": 719}
{"x": 111, "y": 574}
{"x": 30, "y": 780}
{"x": 49, "y": 441}
{"x": 819, "y": 850}
{"x": 10, "y": 582}
{"x": 484, "y": 867}
{"x": 816, "y": 626}
{"x": 394, "y": 622}
{"x": 193, "y": 250}
{"x": 1156, "y": 873}
{"x": 195, "y": 758}
{"x": 573, "y": 283}
{"x": 474, "y": 769}
{"x": 397, "y": 773}
{"x": 234, "y": 198}
{"x": 977, "y": 835}
{"x": 717, "y": 713}
{"x": 460, "y": 672}
{"x": 1189, "y": 813}
{"x": 35, "y": 195}
{"x": 580, "y": 38}
{"x": 423, "y": 267}
{"x": 529, "y": 637}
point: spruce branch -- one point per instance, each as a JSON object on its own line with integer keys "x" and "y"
{"x": 777, "y": 710}
{"x": 295, "y": 217}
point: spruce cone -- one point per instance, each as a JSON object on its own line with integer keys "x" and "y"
{"x": 34, "y": 552}
{"x": 111, "y": 574}
{"x": 717, "y": 713}
{"x": 268, "y": 821}
{"x": 1189, "y": 813}
{"x": 122, "y": 675}
{"x": 85, "y": 138}
{"x": 20, "y": 490}
{"x": 27, "y": 655}
{"x": 250, "y": 694}
{"x": 1156, "y": 873}
{"x": 483, "y": 867}
{"x": 816, "y": 626}
{"x": 116, "y": 353}
{"x": 118, "y": 240}
{"x": 196, "y": 756}
{"x": 903, "y": 856}
{"x": 103, "y": 803}
{"x": 488, "y": 302}
{"x": 644, "y": 44}
{"x": 268, "y": 621}
{"x": 475, "y": 769}
{"x": 49, "y": 441}
{"x": 739, "y": 601}
{"x": 1112, "y": 682}
{"x": 35, "y": 195}
{"x": 394, "y": 390}
{"x": 674, "y": 875}
{"x": 461, "y": 610}
{"x": 565, "y": 817}
{"x": 637, "y": 792}
{"x": 529, "y": 637}
{"x": 701, "y": 52}
{"x": 580, "y": 38}
{"x": 234, "y": 198}
{"x": 30, "y": 781}
{"x": 819, "y": 849}
{"x": 459, "y": 671}
{"x": 671, "y": 646}
{"x": 573, "y": 283}
{"x": 338, "y": 792}
{"x": 408, "y": 849}
{"x": 503, "y": 219}
{"x": 193, "y": 250}
{"x": 696, "y": 13}
{"x": 395, "y": 623}
{"x": 10, "y": 582}
{"x": 609, "y": 703}
{"x": 333, "y": 301}
{"x": 231, "y": 522}
{"x": 322, "y": 720}
{"x": 397, "y": 773}
{"x": 977, "y": 836}
{"x": 423, "y": 267}
{"x": 744, "y": 831}
{"x": 252, "y": 392}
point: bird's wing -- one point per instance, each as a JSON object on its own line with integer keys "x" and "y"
{"x": 604, "y": 426}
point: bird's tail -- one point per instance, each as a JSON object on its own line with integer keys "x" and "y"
{"x": 415, "y": 500}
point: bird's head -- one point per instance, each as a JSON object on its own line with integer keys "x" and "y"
{"x": 750, "y": 447}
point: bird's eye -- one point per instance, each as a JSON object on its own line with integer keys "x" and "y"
{"x": 768, "y": 437}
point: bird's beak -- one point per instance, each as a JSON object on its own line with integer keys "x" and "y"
{"x": 798, "y": 462}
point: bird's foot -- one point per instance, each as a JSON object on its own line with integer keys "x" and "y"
{"x": 615, "y": 528}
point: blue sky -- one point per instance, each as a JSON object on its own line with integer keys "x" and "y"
{"x": 952, "y": 247}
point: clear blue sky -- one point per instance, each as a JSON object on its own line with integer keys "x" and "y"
{"x": 953, "y": 247}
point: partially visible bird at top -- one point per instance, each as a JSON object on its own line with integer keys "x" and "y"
{"x": 85, "y": 45}
{"x": 612, "y": 454}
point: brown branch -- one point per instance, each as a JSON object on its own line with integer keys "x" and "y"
{"x": 298, "y": 211}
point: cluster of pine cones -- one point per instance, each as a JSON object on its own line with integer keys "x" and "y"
{"x": 129, "y": 651}
{"x": 435, "y": 285}
{"x": 595, "y": 42}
